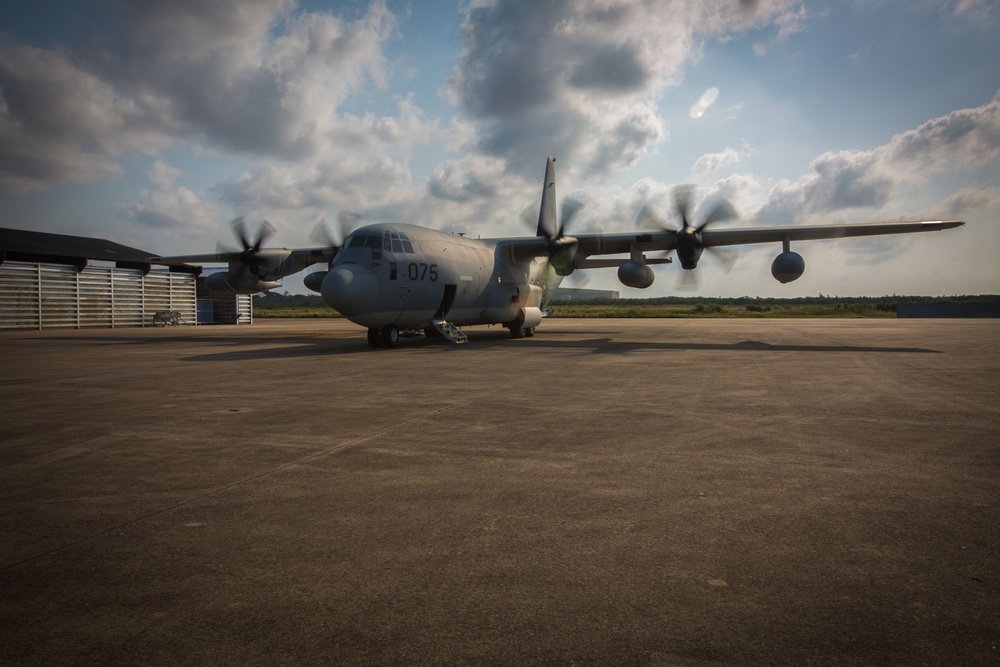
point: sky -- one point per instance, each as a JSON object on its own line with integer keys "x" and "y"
{"x": 156, "y": 123}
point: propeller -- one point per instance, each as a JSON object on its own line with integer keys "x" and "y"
{"x": 249, "y": 254}
{"x": 561, "y": 248}
{"x": 688, "y": 240}
{"x": 347, "y": 222}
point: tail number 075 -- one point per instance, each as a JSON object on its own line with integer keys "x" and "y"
{"x": 422, "y": 271}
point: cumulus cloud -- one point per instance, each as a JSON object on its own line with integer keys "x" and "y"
{"x": 323, "y": 185}
{"x": 972, "y": 199}
{"x": 164, "y": 204}
{"x": 268, "y": 80}
{"x": 580, "y": 78}
{"x": 477, "y": 190}
{"x": 711, "y": 163}
{"x": 250, "y": 76}
{"x": 460, "y": 183}
{"x": 246, "y": 76}
{"x": 60, "y": 123}
{"x": 963, "y": 139}
{"x": 366, "y": 171}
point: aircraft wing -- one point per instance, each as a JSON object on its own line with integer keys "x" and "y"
{"x": 607, "y": 244}
{"x": 723, "y": 237}
{"x": 304, "y": 256}
{"x": 588, "y": 245}
{"x": 209, "y": 258}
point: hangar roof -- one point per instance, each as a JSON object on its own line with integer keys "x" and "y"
{"x": 36, "y": 246}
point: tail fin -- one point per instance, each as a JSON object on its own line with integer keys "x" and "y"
{"x": 547, "y": 223}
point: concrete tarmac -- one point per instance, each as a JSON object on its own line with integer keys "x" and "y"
{"x": 609, "y": 492}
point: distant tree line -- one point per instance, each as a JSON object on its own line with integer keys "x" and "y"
{"x": 286, "y": 301}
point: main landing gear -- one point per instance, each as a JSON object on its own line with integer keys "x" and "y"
{"x": 521, "y": 332}
{"x": 518, "y": 330}
{"x": 387, "y": 336}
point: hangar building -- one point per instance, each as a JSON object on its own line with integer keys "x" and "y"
{"x": 578, "y": 293}
{"x": 60, "y": 281}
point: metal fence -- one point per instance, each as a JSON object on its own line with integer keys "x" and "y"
{"x": 44, "y": 296}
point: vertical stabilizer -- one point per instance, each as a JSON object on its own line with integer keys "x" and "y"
{"x": 547, "y": 224}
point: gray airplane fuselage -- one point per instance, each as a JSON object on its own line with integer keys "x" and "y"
{"x": 408, "y": 276}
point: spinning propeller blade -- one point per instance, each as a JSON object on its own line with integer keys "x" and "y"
{"x": 561, "y": 247}
{"x": 347, "y": 222}
{"x": 249, "y": 252}
{"x": 688, "y": 240}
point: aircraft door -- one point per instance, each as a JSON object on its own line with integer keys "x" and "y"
{"x": 404, "y": 293}
{"x": 396, "y": 296}
{"x": 446, "y": 301}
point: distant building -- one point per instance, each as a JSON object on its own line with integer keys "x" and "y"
{"x": 905, "y": 310}
{"x": 574, "y": 294}
{"x": 61, "y": 281}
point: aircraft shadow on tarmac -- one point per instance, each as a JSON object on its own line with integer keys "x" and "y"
{"x": 304, "y": 347}
{"x": 294, "y": 346}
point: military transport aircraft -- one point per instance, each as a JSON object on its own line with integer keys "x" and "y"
{"x": 401, "y": 279}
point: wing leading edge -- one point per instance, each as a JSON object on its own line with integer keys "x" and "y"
{"x": 722, "y": 237}
{"x": 615, "y": 244}
{"x": 306, "y": 256}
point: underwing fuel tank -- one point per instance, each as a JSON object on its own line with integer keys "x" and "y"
{"x": 788, "y": 266}
{"x": 635, "y": 274}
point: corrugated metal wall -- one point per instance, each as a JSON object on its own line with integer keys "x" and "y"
{"x": 43, "y": 296}
{"x": 227, "y": 309}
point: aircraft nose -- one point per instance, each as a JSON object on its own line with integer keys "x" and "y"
{"x": 351, "y": 289}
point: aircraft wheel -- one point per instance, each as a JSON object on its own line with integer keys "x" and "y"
{"x": 389, "y": 335}
{"x": 516, "y": 330}
{"x": 529, "y": 332}
{"x": 374, "y": 339}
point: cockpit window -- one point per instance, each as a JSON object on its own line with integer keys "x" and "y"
{"x": 389, "y": 241}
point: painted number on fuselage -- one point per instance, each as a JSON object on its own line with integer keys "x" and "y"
{"x": 422, "y": 271}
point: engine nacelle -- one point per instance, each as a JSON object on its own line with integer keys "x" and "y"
{"x": 239, "y": 283}
{"x": 314, "y": 281}
{"x": 788, "y": 266}
{"x": 635, "y": 274}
